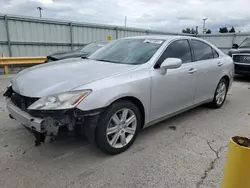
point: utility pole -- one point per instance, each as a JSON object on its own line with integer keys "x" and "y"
{"x": 204, "y": 25}
{"x": 40, "y": 10}
{"x": 125, "y": 21}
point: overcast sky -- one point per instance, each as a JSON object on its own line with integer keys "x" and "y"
{"x": 168, "y": 15}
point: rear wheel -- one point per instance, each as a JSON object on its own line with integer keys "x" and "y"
{"x": 220, "y": 94}
{"x": 118, "y": 127}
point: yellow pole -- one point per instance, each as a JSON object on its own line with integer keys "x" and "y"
{"x": 6, "y": 70}
{"x": 5, "y": 67}
{"x": 237, "y": 168}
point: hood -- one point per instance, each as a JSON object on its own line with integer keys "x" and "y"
{"x": 64, "y": 55}
{"x": 64, "y": 75}
{"x": 239, "y": 50}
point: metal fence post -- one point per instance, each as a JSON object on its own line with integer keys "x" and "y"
{"x": 8, "y": 34}
{"x": 116, "y": 33}
{"x": 71, "y": 36}
{"x": 233, "y": 39}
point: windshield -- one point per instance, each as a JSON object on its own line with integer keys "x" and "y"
{"x": 245, "y": 43}
{"x": 128, "y": 51}
{"x": 92, "y": 47}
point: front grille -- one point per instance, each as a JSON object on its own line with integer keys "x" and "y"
{"x": 22, "y": 102}
{"x": 241, "y": 58}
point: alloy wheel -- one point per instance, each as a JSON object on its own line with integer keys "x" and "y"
{"x": 121, "y": 128}
{"x": 221, "y": 93}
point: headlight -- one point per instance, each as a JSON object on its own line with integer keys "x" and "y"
{"x": 7, "y": 92}
{"x": 60, "y": 101}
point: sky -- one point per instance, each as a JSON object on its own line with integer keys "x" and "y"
{"x": 165, "y": 15}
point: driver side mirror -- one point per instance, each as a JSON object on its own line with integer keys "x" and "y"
{"x": 235, "y": 46}
{"x": 171, "y": 63}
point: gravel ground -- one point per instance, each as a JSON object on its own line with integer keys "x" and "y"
{"x": 192, "y": 155}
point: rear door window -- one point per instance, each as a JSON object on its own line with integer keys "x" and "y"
{"x": 202, "y": 51}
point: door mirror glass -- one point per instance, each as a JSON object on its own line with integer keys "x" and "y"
{"x": 235, "y": 46}
{"x": 171, "y": 63}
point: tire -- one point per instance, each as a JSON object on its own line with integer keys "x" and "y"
{"x": 219, "y": 101}
{"x": 111, "y": 141}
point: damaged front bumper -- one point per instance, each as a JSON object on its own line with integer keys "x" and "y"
{"x": 46, "y": 127}
{"x": 34, "y": 123}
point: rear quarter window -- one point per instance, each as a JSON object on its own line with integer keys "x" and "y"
{"x": 215, "y": 53}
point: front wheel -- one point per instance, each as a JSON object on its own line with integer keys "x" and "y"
{"x": 220, "y": 94}
{"x": 118, "y": 127}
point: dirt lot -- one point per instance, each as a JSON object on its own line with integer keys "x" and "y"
{"x": 162, "y": 156}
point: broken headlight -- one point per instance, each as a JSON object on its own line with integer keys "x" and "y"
{"x": 60, "y": 101}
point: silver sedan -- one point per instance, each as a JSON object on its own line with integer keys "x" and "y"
{"x": 127, "y": 85}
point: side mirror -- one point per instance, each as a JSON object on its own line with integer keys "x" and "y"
{"x": 235, "y": 46}
{"x": 171, "y": 63}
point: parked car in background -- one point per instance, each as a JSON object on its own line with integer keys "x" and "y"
{"x": 80, "y": 52}
{"x": 127, "y": 85}
{"x": 241, "y": 56}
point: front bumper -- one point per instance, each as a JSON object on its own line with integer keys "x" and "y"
{"x": 33, "y": 123}
{"x": 242, "y": 69}
{"x": 46, "y": 126}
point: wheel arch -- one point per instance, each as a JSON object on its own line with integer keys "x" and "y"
{"x": 137, "y": 102}
{"x": 226, "y": 77}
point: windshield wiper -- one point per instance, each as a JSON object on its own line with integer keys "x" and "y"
{"x": 103, "y": 60}
{"x": 117, "y": 62}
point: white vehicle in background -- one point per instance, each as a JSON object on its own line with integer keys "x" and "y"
{"x": 127, "y": 85}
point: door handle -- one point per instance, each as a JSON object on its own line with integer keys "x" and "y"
{"x": 219, "y": 64}
{"x": 192, "y": 71}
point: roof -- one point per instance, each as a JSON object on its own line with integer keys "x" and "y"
{"x": 163, "y": 37}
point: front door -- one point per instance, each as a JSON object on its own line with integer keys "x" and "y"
{"x": 174, "y": 90}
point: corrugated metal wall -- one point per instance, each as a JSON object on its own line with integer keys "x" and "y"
{"x": 3, "y": 36}
{"x": 225, "y": 41}
{"x": 24, "y": 36}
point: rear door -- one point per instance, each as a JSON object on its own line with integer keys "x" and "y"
{"x": 209, "y": 70}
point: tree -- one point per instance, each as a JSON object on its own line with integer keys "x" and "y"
{"x": 186, "y": 30}
{"x": 232, "y": 30}
{"x": 208, "y": 31}
{"x": 189, "y": 31}
{"x": 223, "y": 30}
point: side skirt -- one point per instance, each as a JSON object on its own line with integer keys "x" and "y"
{"x": 175, "y": 113}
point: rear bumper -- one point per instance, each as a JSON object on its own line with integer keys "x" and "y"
{"x": 34, "y": 123}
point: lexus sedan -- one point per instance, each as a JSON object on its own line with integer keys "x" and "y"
{"x": 80, "y": 52}
{"x": 129, "y": 84}
{"x": 241, "y": 56}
